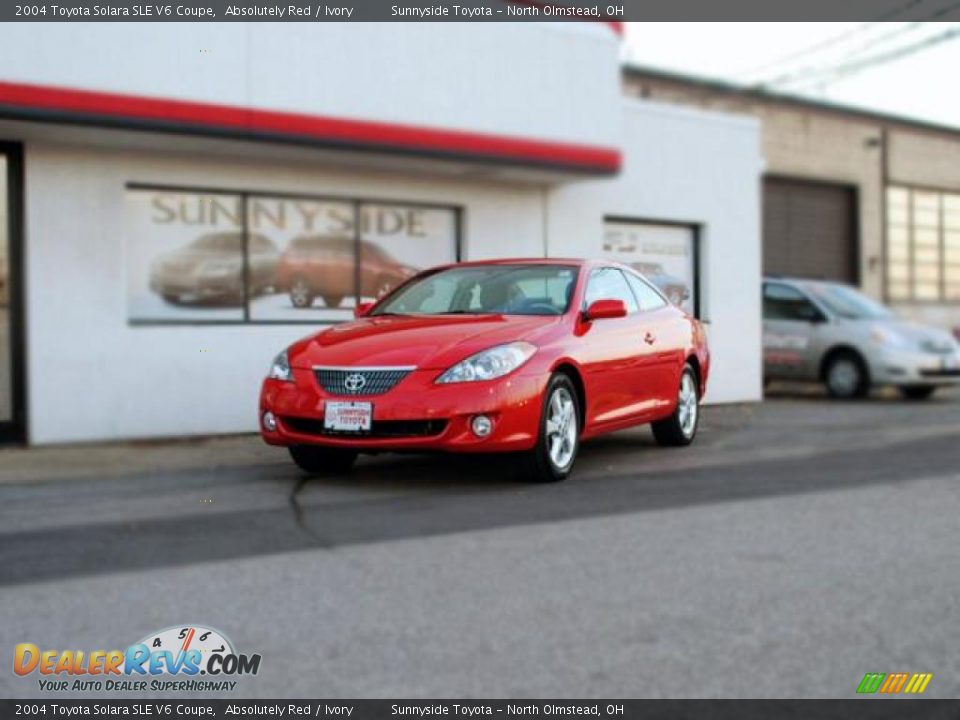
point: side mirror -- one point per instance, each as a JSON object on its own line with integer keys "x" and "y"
{"x": 362, "y": 308}
{"x": 605, "y": 309}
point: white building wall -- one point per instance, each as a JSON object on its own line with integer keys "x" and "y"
{"x": 93, "y": 376}
{"x": 695, "y": 167}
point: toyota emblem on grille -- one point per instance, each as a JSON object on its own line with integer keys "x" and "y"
{"x": 354, "y": 382}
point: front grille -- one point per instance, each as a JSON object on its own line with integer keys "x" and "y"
{"x": 941, "y": 373}
{"x": 935, "y": 347}
{"x": 378, "y": 428}
{"x": 357, "y": 382}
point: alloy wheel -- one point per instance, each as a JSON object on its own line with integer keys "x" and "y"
{"x": 844, "y": 377}
{"x": 561, "y": 428}
{"x": 687, "y": 407}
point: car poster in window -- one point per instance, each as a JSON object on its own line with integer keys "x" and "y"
{"x": 302, "y": 259}
{"x": 184, "y": 256}
{"x": 196, "y": 256}
{"x": 397, "y": 241}
{"x": 664, "y": 254}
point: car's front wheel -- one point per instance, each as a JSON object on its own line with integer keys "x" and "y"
{"x": 322, "y": 460}
{"x": 559, "y": 438}
{"x": 681, "y": 427}
{"x": 846, "y": 376}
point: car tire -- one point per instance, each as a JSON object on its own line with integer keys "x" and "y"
{"x": 680, "y": 428}
{"x": 322, "y": 460}
{"x": 917, "y": 392}
{"x": 846, "y": 376}
{"x": 301, "y": 294}
{"x": 558, "y": 439}
{"x": 332, "y": 301}
{"x": 171, "y": 299}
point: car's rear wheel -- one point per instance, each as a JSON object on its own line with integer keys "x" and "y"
{"x": 917, "y": 392}
{"x": 322, "y": 460}
{"x": 846, "y": 376}
{"x": 559, "y": 438}
{"x": 681, "y": 427}
{"x": 301, "y": 294}
{"x": 332, "y": 301}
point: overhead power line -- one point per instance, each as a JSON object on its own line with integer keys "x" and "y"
{"x": 833, "y": 41}
{"x": 845, "y": 69}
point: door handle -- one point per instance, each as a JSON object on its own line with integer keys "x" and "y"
{"x": 649, "y": 338}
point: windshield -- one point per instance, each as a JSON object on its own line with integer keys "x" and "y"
{"x": 847, "y": 302}
{"x": 486, "y": 290}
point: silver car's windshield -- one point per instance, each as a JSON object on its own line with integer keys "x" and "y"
{"x": 484, "y": 290}
{"x": 847, "y": 302}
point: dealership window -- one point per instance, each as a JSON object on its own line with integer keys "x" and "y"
{"x": 212, "y": 256}
{"x": 665, "y": 253}
{"x": 923, "y": 245}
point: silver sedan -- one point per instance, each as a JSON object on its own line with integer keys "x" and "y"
{"x": 832, "y": 333}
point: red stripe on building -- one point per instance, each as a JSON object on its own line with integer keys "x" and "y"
{"x": 322, "y": 129}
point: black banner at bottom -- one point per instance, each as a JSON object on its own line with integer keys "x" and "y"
{"x": 872, "y": 709}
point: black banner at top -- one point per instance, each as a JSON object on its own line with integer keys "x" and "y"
{"x": 610, "y": 13}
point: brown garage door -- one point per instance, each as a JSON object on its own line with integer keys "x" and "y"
{"x": 809, "y": 229}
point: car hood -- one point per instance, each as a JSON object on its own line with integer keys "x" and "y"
{"x": 921, "y": 336}
{"x": 197, "y": 257}
{"x": 426, "y": 342}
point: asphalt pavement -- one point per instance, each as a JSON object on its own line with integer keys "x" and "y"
{"x": 799, "y": 544}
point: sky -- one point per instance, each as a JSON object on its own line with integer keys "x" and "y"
{"x": 922, "y": 85}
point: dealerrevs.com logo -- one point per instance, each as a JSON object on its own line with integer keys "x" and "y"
{"x": 180, "y": 658}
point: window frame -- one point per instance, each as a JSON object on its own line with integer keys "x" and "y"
{"x": 697, "y": 231}
{"x": 244, "y": 195}
{"x": 910, "y": 227}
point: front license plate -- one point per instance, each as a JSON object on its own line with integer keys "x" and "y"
{"x": 348, "y": 416}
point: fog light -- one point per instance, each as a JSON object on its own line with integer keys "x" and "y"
{"x": 481, "y": 425}
{"x": 269, "y": 421}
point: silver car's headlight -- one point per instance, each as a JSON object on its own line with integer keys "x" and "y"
{"x": 891, "y": 338}
{"x": 489, "y": 364}
{"x": 280, "y": 368}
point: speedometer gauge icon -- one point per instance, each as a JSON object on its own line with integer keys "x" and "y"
{"x": 183, "y": 638}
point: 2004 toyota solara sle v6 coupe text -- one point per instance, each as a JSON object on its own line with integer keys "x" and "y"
{"x": 520, "y": 356}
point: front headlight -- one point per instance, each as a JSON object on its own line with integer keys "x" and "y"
{"x": 885, "y": 336}
{"x": 280, "y": 369}
{"x": 490, "y": 364}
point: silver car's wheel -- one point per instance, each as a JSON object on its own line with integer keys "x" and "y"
{"x": 561, "y": 428}
{"x": 846, "y": 376}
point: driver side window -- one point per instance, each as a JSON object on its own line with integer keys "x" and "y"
{"x": 782, "y": 302}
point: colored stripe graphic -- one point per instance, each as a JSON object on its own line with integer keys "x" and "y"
{"x": 918, "y": 683}
{"x": 871, "y": 682}
{"x": 894, "y": 683}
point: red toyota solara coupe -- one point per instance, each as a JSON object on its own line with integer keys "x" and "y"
{"x": 520, "y": 356}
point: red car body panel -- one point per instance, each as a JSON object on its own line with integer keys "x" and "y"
{"x": 628, "y": 368}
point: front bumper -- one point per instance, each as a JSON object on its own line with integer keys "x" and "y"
{"x": 416, "y": 415}
{"x": 893, "y": 367}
